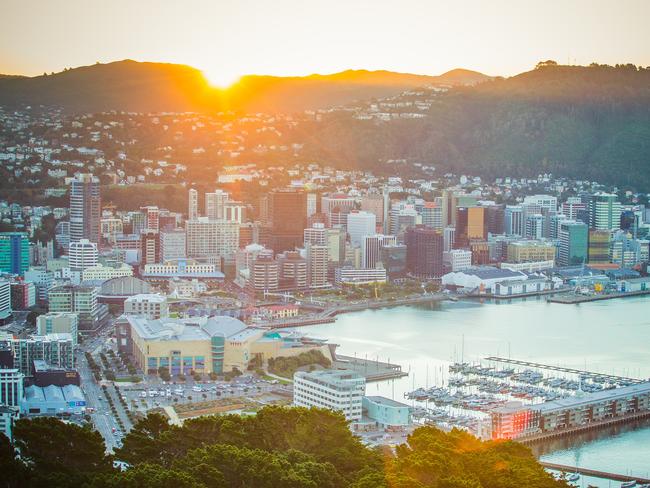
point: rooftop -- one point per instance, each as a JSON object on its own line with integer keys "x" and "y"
{"x": 591, "y": 398}
{"x": 387, "y": 402}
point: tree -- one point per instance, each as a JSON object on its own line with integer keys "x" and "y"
{"x": 14, "y": 472}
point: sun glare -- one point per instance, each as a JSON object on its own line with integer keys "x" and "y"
{"x": 220, "y": 78}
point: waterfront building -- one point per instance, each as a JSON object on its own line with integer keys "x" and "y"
{"x": 386, "y": 413}
{"x": 530, "y": 251}
{"x": 58, "y": 323}
{"x": 393, "y": 259}
{"x": 14, "y": 252}
{"x": 359, "y": 276}
{"x": 150, "y": 306}
{"x": 85, "y": 208}
{"x": 457, "y": 260}
{"x": 574, "y": 243}
{"x": 598, "y": 252}
{"x": 205, "y": 345}
{"x": 82, "y": 254}
{"x": 481, "y": 278}
{"x": 424, "y": 248}
{"x": 604, "y": 212}
{"x": 359, "y": 225}
{"x": 480, "y": 252}
{"x": 338, "y": 390}
{"x": 529, "y": 266}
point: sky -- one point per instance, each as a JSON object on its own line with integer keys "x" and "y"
{"x": 230, "y": 38}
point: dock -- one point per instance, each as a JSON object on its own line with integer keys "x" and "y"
{"x": 593, "y": 472}
{"x": 573, "y": 299}
{"x": 373, "y": 370}
{"x": 589, "y": 374}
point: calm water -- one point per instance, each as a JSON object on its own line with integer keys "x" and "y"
{"x": 609, "y": 336}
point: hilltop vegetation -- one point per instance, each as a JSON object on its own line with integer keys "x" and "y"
{"x": 279, "y": 447}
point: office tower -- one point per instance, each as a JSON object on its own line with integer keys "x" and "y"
{"x": 317, "y": 265}
{"x": 85, "y": 208}
{"x": 336, "y": 245}
{"x": 514, "y": 220}
{"x": 337, "y": 390}
{"x": 449, "y": 237}
{"x": 58, "y": 323}
{"x": 402, "y": 216}
{"x": 432, "y": 214}
{"x": 316, "y": 234}
{"x": 287, "y": 216}
{"x": 360, "y": 225}
{"x": 374, "y": 203}
{"x": 424, "y": 247}
{"x": 168, "y": 220}
{"x": 293, "y": 271}
{"x": 138, "y": 222}
{"x": 393, "y": 258}
{"x": 385, "y": 193}
{"x": 470, "y": 225}
{"x": 214, "y": 204}
{"x": 234, "y": 212}
{"x": 5, "y": 299}
{"x": 193, "y": 205}
{"x": 211, "y": 238}
{"x": 81, "y": 300}
{"x": 82, "y": 254}
{"x": 172, "y": 244}
{"x": 14, "y": 252}
{"x": 264, "y": 274}
{"x": 543, "y": 201}
{"x": 337, "y": 206}
{"x": 604, "y": 212}
{"x": 554, "y": 225}
{"x": 574, "y": 242}
{"x": 530, "y": 251}
{"x": 599, "y": 246}
{"x": 494, "y": 216}
{"x": 572, "y": 207}
{"x": 11, "y": 387}
{"x": 629, "y": 222}
{"x": 312, "y": 204}
{"x": 149, "y": 247}
{"x": 371, "y": 249}
{"x": 457, "y": 260}
{"x": 535, "y": 226}
{"x": 42, "y": 279}
{"x": 151, "y": 217}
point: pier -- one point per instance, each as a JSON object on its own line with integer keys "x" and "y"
{"x": 589, "y": 374}
{"x": 373, "y": 370}
{"x": 572, "y": 299}
{"x": 593, "y": 472}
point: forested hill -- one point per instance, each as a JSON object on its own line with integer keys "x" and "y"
{"x": 585, "y": 122}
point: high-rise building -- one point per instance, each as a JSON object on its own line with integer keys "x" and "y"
{"x": 337, "y": 390}
{"x": 337, "y": 206}
{"x": 215, "y": 203}
{"x": 514, "y": 220}
{"x": 312, "y": 204}
{"x": 535, "y": 226}
{"x": 530, "y": 251}
{"x": 151, "y": 217}
{"x": 212, "y": 238}
{"x": 449, "y": 237}
{"x": 149, "y": 247}
{"x": 234, "y": 212}
{"x": 5, "y": 299}
{"x": 572, "y": 207}
{"x": 23, "y": 295}
{"x": 172, "y": 244}
{"x": 264, "y": 273}
{"x": 371, "y": 249}
{"x": 494, "y": 216}
{"x": 374, "y": 203}
{"x": 360, "y": 225}
{"x": 599, "y": 246}
{"x": 604, "y": 212}
{"x": 11, "y": 387}
{"x": 82, "y": 254}
{"x": 14, "y": 252}
{"x": 432, "y": 214}
{"x": 293, "y": 271}
{"x": 470, "y": 225}
{"x": 393, "y": 258}
{"x": 457, "y": 260}
{"x": 58, "y": 323}
{"x": 574, "y": 243}
{"x": 424, "y": 248}
{"x": 85, "y": 208}
{"x": 193, "y": 205}
{"x": 317, "y": 265}
{"x": 287, "y": 215}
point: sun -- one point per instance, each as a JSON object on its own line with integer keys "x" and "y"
{"x": 220, "y": 78}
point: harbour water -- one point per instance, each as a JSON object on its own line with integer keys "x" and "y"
{"x": 611, "y": 337}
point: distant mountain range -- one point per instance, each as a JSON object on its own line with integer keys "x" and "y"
{"x": 152, "y": 87}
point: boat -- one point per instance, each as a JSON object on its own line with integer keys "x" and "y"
{"x": 628, "y": 484}
{"x": 573, "y": 477}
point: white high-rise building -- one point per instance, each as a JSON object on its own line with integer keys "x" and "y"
{"x": 317, "y": 265}
{"x": 5, "y": 299}
{"x": 514, "y": 220}
{"x": 85, "y": 208}
{"x": 11, "y": 387}
{"x": 193, "y": 205}
{"x": 371, "y": 249}
{"x": 448, "y": 237}
{"x": 172, "y": 244}
{"x": 360, "y": 225}
{"x": 316, "y": 234}
{"x": 82, "y": 254}
{"x": 457, "y": 259}
{"x": 58, "y": 323}
{"x": 151, "y": 217}
{"x": 214, "y": 204}
{"x": 212, "y": 238}
{"x": 337, "y": 390}
{"x": 151, "y": 306}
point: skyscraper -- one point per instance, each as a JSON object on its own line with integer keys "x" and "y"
{"x": 151, "y": 217}
{"x": 287, "y": 216}
{"x": 514, "y": 220}
{"x": 574, "y": 243}
{"x": 214, "y": 204}
{"x": 85, "y": 208}
{"x": 82, "y": 254}
{"x": 604, "y": 212}
{"x": 424, "y": 251}
{"x": 470, "y": 225}
{"x": 193, "y": 205}
{"x": 14, "y": 252}
{"x": 360, "y": 225}
{"x": 371, "y": 249}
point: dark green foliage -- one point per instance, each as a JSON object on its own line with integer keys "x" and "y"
{"x": 286, "y": 366}
{"x": 279, "y": 447}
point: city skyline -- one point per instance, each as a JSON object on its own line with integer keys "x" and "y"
{"x": 231, "y": 39}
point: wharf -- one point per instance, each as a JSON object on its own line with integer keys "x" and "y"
{"x": 593, "y": 472}
{"x": 283, "y": 324}
{"x": 572, "y": 299}
{"x": 372, "y": 370}
{"x": 517, "y": 295}
{"x": 590, "y": 374}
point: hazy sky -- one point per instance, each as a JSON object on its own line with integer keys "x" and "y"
{"x": 228, "y": 38}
